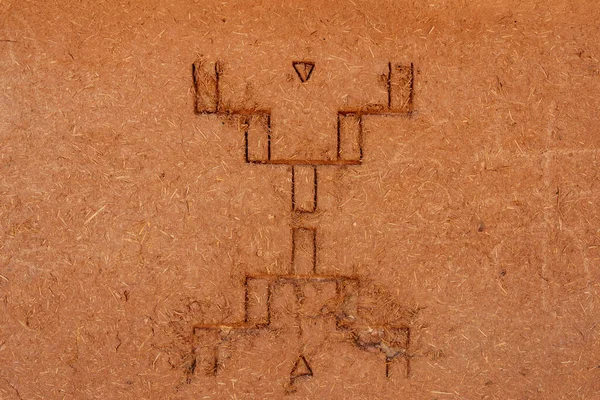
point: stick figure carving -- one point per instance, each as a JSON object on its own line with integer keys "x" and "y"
{"x": 389, "y": 342}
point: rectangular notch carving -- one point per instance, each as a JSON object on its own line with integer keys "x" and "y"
{"x": 349, "y": 136}
{"x": 304, "y": 188}
{"x": 206, "y": 353}
{"x": 349, "y": 294}
{"x": 304, "y": 251}
{"x": 258, "y": 137}
{"x": 257, "y": 301}
{"x": 206, "y": 86}
{"x": 397, "y": 342}
{"x": 400, "y": 87}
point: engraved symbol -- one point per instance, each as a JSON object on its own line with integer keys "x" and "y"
{"x": 304, "y": 69}
{"x": 268, "y": 296}
{"x": 301, "y": 368}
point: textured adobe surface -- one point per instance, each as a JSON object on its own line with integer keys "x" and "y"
{"x": 299, "y": 200}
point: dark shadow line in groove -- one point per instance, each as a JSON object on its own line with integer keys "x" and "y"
{"x": 315, "y": 177}
{"x": 293, "y": 191}
{"x": 292, "y": 268}
{"x": 268, "y": 136}
{"x": 339, "y": 137}
{"x": 246, "y": 300}
{"x": 360, "y": 138}
{"x": 195, "y": 81}
{"x": 314, "y": 239}
{"x": 218, "y": 93}
{"x": 412, "y": 88}
{"x": 389, "y": 84}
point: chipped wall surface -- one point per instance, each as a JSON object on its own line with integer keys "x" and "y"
{"x": 266, "y": 200}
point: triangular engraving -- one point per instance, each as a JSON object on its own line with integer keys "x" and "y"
{"x": 304, "y": 69}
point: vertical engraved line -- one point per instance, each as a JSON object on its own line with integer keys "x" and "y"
{"x": 360, "y": 137}
{"x": 246, "y": 300}
{"x": 406, "y": 355}
{"x": 246, "y": 146}
{"x": 195, "y": 80}
{"x": 388, "y": 361}
{"x": 412, "y": 88}
{"x": 292, "y": 268}
{"x": 315, "y": 177}
{"x": 268, "y": 136}
{"x": 314, "y": 255}
{"x": 218, "y": 94}
{"x": 293, "y": 189}
{"x": 389, "y": 85}
{"x": 269, "y": 303}
{"x": 215, "y": 366}
{"x": 339, "y": 137}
